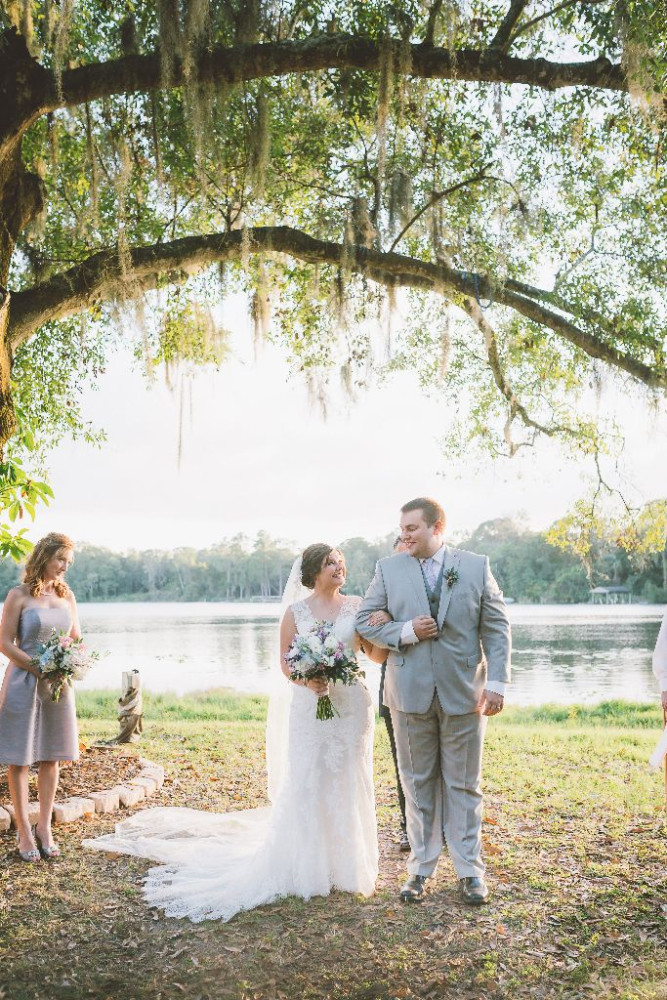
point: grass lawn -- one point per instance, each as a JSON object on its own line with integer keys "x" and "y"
{"x": 575, "y": 839}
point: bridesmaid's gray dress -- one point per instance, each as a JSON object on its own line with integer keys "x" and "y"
{"x": 32, "y": 727}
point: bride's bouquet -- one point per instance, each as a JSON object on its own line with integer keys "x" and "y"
{"x": 62, "y": 660}
{"x": 320, "y": 654}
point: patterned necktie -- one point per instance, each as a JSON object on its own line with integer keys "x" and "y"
{"x": 429, "y": 572}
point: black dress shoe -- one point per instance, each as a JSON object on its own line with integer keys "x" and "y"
{"x": 473, "y": 890}
{"x": 413, "y": 890}
{"x": 403, "y": 842}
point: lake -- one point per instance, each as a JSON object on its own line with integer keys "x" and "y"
{"x": 562, "y": 653}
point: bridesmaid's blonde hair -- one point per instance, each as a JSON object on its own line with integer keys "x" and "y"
{"x": 43, "y": 552}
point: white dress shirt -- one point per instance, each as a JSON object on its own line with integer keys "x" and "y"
{"x": 660, "y": 656}
{"x": 408, "y": 637}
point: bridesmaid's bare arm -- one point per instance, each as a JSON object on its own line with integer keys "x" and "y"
{"x": 9, "y": 627}
{"x": 75, "y": 630}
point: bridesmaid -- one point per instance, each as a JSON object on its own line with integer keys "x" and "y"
{"x": 34, "y": 729}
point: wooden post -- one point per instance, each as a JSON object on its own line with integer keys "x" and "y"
{"x": 130, "y": 708}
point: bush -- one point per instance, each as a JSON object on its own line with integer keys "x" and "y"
{"x": 654, "y": 594}
{"x": 571, "y": 586}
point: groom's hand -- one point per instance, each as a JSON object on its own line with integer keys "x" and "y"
{"x": 425, "y": 627}
{"x": 490, "y": 703}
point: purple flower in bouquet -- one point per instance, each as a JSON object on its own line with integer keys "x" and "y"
{"x": 320, "y": 654}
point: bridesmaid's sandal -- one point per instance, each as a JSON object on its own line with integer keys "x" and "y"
{"x": 48, "y": 853}
{"x": 31, "y": 857}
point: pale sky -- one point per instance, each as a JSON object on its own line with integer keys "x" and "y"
{"x": 258, "y": 455}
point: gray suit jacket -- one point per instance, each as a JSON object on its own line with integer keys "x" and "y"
{"x": 474, "y": 640}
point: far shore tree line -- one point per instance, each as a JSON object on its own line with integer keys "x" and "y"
{"x": 531, "y": 567}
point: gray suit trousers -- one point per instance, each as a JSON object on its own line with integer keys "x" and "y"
{"x": 440, "y": 760}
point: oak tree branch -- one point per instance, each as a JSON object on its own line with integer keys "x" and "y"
{"x": 101, "y": 277}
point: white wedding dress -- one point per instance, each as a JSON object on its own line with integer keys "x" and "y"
{"x": 320, "y": 833}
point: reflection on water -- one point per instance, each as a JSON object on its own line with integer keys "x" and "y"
{"x": 583, "y": 654}
{"x": 184, "y": 647}
{"x": 562, "y": 653}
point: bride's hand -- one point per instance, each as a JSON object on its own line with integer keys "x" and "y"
{"x": 318, "y": 685}
{"x": 379, "y": 618}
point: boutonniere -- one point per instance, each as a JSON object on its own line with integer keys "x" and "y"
{"x": 451, "y": 576}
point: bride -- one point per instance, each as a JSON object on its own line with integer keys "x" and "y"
{"x": 320, "y": 831}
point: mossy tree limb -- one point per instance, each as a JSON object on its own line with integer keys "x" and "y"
{"x": 40, "y": 92}
{"x": 101, "y": 276}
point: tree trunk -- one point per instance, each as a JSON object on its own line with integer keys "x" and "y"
{"x": 21, "y": 193}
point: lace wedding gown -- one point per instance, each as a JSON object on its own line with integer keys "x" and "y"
{"x": 320, "y": 833}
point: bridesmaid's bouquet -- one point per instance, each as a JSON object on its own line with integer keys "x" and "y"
{"x": 320, "y": 654}
{"x": 62, "y": 660}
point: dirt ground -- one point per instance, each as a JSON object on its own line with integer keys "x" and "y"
{"x": 575, "y": 841}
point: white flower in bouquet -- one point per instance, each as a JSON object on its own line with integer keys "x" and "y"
{"x": 321, "y": 654}
{"x": 80, "y": 661}
{"x": 63, "y": 660}
{"x": 314, "y": 645}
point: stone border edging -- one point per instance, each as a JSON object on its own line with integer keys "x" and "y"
{"x": 149, "y": 780}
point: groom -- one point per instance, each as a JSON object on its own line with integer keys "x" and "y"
{"x": 449, "y": 659}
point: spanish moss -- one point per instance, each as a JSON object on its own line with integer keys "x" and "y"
{"x": 445, "y": 345}
{"x": 260, "y": 307}
{"x": 52, "y": 136}
{"x": 248, "y": 19}
{"x": 61, "y": 40}
{"x": 197, "y": 26}
{"x": 26, "y": 26}
{"x": 385, "y": 87}
{"x": 400, "y": 199}
{"x": 364, "y": 233}
{"x": 90, "y": 148}
{"x": 260, "y": 144}
{"x": 49, "y": 26}
{"x": 641, "y": 81}
{"x": 170, "y": 41}
{"x": 124, "y": 251}
{"x": 246, "y": 248}
{"x": 155, "y": 137}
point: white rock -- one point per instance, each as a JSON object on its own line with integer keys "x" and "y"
{"x": 107, "y": 801}
{"x": 156, "y": 772}
{"x": 130, "y": 795}
{"x": 87, "y": 805}
{"x": 5, "y": 820}
{"x": 33, "y": 812}
{"x": 68, "y": 811}
{"x": 144, "y": 781}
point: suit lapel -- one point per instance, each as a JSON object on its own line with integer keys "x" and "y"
{"x": 452, "y": 559}
{"x": 417, "y": 580}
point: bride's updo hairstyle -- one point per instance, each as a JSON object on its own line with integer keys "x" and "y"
{"x": 43, "y": 552}
{"x": 312, "y": 561}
